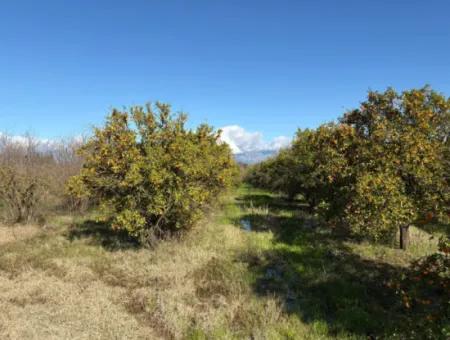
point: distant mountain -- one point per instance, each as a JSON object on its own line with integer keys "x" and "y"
{"x": 252, "y": 157}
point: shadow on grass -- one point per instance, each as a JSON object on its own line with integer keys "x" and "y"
{"x": 101, "y": 234}
{"x": 264, "y": 200}
{"x": 437, "y": 227}
{"x": 267, "y": 212}
{"x": 318, "y": 277}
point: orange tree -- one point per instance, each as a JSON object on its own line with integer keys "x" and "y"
{"x": 260, "y": 175}
{"x": 150, "y": 173}
{"x": 382, "y": 168}
{"x": 398, "y": 161}
{"x": 290, "y": 172}
{"x": 333, "y": 149}
{"x": 276, "y": 174}
{"x": 282, "y": 173}
{"x": 303, "y": 176}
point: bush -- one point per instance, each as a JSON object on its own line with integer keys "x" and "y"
{"x": 32, "y": 174}
{"x": 22, "y": 183}
{"x": 151, "y": 173}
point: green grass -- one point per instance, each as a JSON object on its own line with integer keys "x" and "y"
{"x": 323, "y": 278}
{"x": 286, "y": 278}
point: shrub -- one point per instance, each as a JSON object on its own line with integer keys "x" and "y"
{"x": 22, "y": 179}
{"x": 32, "y": 173}
{"x": 154, "y": 175}
{"x": 66, "y": 162}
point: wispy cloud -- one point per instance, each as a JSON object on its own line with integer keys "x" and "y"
{"x": 241, "y": 140}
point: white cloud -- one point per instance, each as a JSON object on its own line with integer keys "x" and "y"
{"x": 280, "y": 142}
{"x": 241, "y": 140}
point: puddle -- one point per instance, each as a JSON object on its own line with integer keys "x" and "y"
{"x": 251, "y": 224}
{"x": 246, "y": 225}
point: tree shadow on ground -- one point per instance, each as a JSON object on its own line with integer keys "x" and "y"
{"x": 437, "y": 227}
{"x": 267, "y": 212}
{"x": 318, "y": 277}
{"x": 101, "y": 234}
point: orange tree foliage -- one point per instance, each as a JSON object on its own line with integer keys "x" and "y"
{"x": 398, "y": 160}
{"x": 290, "y": 172}
{"x": 152, "y": 173}
{"x": 383, "y": 166}
{"x": 304, "y": 174}
{"x": 276, "y": 174}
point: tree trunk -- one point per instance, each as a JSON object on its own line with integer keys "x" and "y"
{"x": 404, "y": 237}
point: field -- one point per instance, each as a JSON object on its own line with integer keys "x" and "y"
{"x": 225, "y": 170}
{"x": 258, "y": 267}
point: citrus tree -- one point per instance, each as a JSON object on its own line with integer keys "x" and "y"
{"x": 152, "y": 174}
{"x": 399, "y": 160}
{"x": 381, "y": 168}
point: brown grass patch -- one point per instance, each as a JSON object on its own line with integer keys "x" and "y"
{"x": 36, "y": 306}
{"x": 16, "y": 233}
{"x": 53, "y": 286}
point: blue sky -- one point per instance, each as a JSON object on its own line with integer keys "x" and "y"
{"x": 266, "y": 67}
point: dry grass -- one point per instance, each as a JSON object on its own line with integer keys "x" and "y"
{"x": 52, "y": 287}
{"x": 203, "y": 286}
{"x": 16, "y": 233}
{"x": 38, "y": 306}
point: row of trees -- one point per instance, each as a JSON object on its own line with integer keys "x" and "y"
{"x": 382, "y": 167}
{"x": 152, "y": 175}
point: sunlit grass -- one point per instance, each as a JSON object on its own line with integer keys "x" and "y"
{"x": 287, "y": 278}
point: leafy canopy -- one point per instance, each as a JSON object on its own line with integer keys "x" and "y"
{"x": 152, "y": 173}
{"x": 382, "y": 166}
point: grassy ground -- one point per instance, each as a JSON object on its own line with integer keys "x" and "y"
{"x": 283, "y": 278}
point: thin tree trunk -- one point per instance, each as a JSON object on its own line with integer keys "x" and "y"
{"x": 404, "y": 237}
